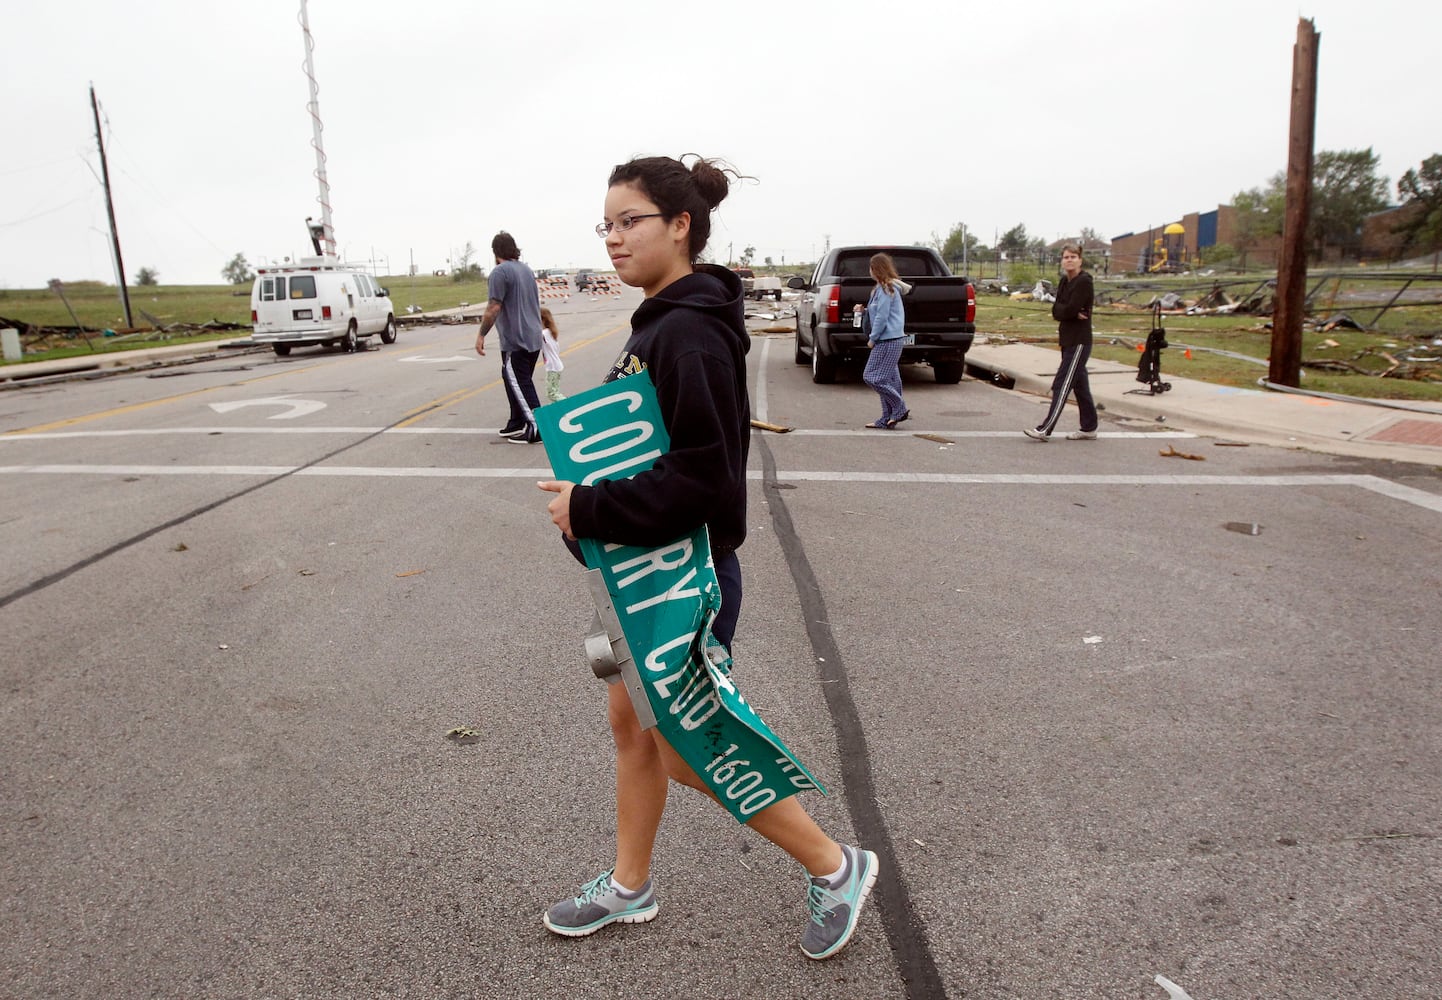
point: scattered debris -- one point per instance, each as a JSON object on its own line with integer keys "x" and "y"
{"x": 410, "y": 572}
{"x": 1231, "y": 444}
{"x": 774, "y": 428}
{"x": 464, "y": 735}
{"x": 1091, "y": 640}
{"x": 1244, "y": 527}
{"x": 935, "y": 437}
{"x": 1170, "y": 452}
{"x": 1174, "y": 992}
{"x": 180, "y": 547}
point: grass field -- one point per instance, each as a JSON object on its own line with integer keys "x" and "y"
{"x": 98, "y": 308}
{"x": 1406, "y": 326}
{"x": 1118, "y": 327}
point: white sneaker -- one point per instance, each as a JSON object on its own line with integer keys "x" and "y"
{"x": 1082, "y": 436}
{"x": 1035, "y": 434}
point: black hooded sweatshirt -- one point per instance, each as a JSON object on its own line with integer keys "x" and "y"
{"x": 1074, "y": 297}
{"x": 691, "y": 336}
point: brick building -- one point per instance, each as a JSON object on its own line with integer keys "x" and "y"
{"x": 1139, "y": 252}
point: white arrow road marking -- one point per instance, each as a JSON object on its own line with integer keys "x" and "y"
{"x": 297, "y": 407}
{"x": 437, "y": 361}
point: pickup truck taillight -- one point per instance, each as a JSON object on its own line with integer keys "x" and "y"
{"x": 253, "y": 317}
{"x": 970, "y": 303}
{"x": 832, "y": 294}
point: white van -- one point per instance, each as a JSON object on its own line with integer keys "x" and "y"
{"x": 318, "y": 301}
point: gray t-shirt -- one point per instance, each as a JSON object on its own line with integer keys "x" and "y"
{"x": 514, "y": 286}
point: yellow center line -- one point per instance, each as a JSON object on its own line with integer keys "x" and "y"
{"x": 411, "y": 417}
{"x": 461, "y": 395}
{"x": 136, "y": 407}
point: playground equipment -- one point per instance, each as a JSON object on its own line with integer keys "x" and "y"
{"x": 1168, "y": 253}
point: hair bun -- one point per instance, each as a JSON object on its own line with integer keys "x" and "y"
{"x": 711, "y": 180}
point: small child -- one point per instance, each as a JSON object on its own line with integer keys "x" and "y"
{"x": 551, "y": 352}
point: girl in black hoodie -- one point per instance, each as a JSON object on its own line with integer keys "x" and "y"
{"x": 690, "y": 334}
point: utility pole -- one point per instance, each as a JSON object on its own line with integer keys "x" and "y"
{"x": 110, "y": 210}
{"x": 1286, "y": 362}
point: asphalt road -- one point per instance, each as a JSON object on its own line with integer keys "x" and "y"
{"x": 1097, "y": 726}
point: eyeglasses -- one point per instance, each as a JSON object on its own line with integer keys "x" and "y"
{"x": 624, "y": 223}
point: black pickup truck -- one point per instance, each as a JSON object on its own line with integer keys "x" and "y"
{"x": 940, "y": 312}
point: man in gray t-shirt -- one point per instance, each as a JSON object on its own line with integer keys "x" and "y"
{"x": 515, "y": 307}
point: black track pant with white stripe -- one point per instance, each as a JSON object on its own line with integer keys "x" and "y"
{"x": 1071, "y": 377}
{"x": 517, "y": 372}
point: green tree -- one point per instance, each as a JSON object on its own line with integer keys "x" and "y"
{"x": 465, "y": 267}
{"x": 1345, "y": 190}
{"x": 147, "y": 276}
{"x": 746, "y": 256}
{"x": 1014, "y": 241}
{"x": 1259, "y": 214}
{"x": 959, "y": 241}
{"x": 238, "y": 271}
{"x": 1423, "y": 188}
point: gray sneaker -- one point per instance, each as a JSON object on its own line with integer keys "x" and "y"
{"x": 600, "y": 903}
{"x": 835, "y": 908}
{"x": 1035, "y": 434}
{"x": 1082, "y": 436}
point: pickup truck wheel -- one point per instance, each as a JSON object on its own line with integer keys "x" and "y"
{"x": 948, "y": 372}
{"x": 823, "y": 367}
{"x": 388, "y": 335}
{"x": 348, "y": 342}
{"x": 281, "y": 349}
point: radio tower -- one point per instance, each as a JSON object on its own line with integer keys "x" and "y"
{"x": 324, "y": 234}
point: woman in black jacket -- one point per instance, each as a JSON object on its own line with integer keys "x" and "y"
{"x": 690, "y": 335}
{"x": 1073, "y": 312}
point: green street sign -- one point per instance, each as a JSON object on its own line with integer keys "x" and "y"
{"x": 665, "y": 599}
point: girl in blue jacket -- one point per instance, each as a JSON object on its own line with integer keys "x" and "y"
{"x": 885, "y": 325}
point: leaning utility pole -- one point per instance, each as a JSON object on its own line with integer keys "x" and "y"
{"x": 1286, "y": 362}
{"x": 110, "y": 210}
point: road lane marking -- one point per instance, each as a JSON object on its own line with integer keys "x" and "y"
{"x": 412, "y": 417}
{"x": 406, "y": 427}
{"x": 1374, "y": 484}
{"x": 136, "y": 407}
{"x": 294, "y": 407}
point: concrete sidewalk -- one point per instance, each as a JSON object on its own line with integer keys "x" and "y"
{"x": 1257, "y": 416}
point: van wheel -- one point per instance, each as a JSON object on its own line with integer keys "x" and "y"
{"x": 348, "y": 342}
{"x": 388, "y": 335}
{"x": 281, "y": 349}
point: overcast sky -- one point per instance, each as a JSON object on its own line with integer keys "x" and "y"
{"x": 447, "y": 121}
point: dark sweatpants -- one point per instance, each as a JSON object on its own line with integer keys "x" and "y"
{"x": 1071, "y": 377}
{"x": 517, "y": 371}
